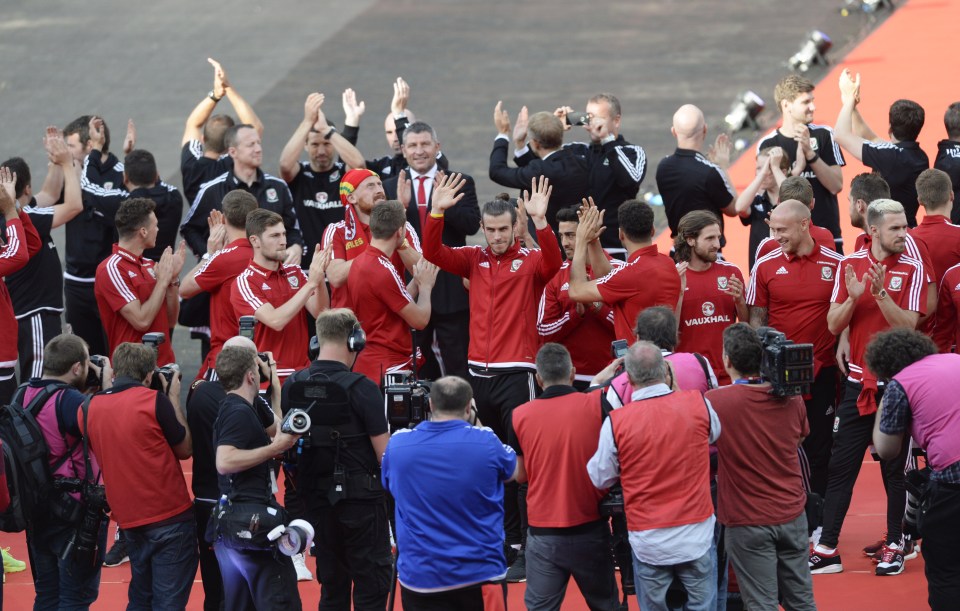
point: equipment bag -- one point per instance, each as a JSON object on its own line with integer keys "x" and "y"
{"x": 26, "y": 459}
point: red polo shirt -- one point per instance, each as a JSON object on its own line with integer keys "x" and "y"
{"x": 941, "y": 239}
{"x": 378, "y": 294}
{"x": 217, "y": 277}
{"x": 796, "y": 292}
{"x": 706, "y": 312}
{"x": 648, "y": 279}
{"x": 821, "y": 236}
{"x": 905, "y": 285}
{"x": 257, "y": 286}
{"x": 121, "y": 278}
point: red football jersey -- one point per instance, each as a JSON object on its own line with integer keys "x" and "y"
{"x": 796, "y": 292}
{"x": 948, "y": 305}
{"x": 905, "y": 285}
{"x": 706, "y": 312}
{"x": 648, "y": 279}
{"x": 257, "y": 286}
{"x": 942, "y": 241}
{"x": 216, "y": 277}
{"x": 121, "y": 278}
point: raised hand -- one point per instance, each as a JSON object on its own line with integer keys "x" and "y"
{"x": 446, "y": 192}
{"x": 403, "y": 187}
{"x": 352, "y": 109}
{"x": 802, "y": 136}
{"x": 56, "y": 147}
{"x": 561, "y": 113}
{"x": 520, "y": 128}
{"x": 97, "y": 133}
{"x": 164, "y": 267}
{"x": 855, "y": 288}
{"x": 734, "y": 289}
{"x": 8, "y": 182}
{"x": 319, "y": 263}
{"x": 130, "y": 140}
{"x": 401, "y": 96}
{"x": 311, "y": 108}
{"x": 179, "y": 257}
{"x": 877, "y": 274}
{"x": 849, "y": 88}
{"x": 591, "y": 225}
{"x": 537, "y": 199}
{"x": 218, "y": 237}
{"x": 682, "y": 271}
{"x": 220, "y": 82}
{"x": 720, "y": 151}
{"x": 501, "y": 119}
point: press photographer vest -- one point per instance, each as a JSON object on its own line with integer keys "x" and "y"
{"x": 935, "y": 427}
{"x": 663, "y": 448}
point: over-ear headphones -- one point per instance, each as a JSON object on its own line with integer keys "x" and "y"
{"x": 357, "y": 339}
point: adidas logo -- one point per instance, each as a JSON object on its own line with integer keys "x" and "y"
{"x": 957, "y": 288}
{"x": 782, "y": 270}
{"x": 484, "y": 264}
{"x": 131, "y": 274}
{"x": 265, "y": 286}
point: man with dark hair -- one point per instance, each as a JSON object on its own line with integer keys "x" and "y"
{"x": 553, "y": 437}
{"x": 586, "y": 329}
{"x": 62, "y": 582}
{"x": 338, "y": 475}
{"x": 948, "y": 154}
{"x": 713, "y": 289}
{"x": 761, "y": 501}
{"x": 658, "y": 447}
{"x": 917, "y": 401}
{"x": 315, "y": 184}
{"x": 381, "y": 300}
{"x": 645, "y": 267}
{"x": 133, "y": 431}
{"x": 504, "y": 277}
{"x": 243, "y": 145}
{"x": 688, "y": 180}
{"x": 261, "y": 578}
{"x": 276, "y": 292}
{"x": 203, "y": 406}
{"x": 811, "y": 149}
{"x": 413, "y": 187}
{"x": 453, "y": 564}
{"x": 567, "y": 169}
{"x": 899, "y": 160}
{"x": 790, "y": 290}
{"x": 894, "y": 299}
{"x": 36, "y": 290}
{"x": 203, "y": 155}
{"x": 134, "y": 294}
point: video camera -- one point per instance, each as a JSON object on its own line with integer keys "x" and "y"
{"x": 82, "y": 547}
{"x": 407, "y": 402}
{"x": 247, "y": 326}
{"x": 786, "y": 365}
{"x": 611, "y": 507}
{"x": 95, "y": 376}
{"x": 169, "y": 370}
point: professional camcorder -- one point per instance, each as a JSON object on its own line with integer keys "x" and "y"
{"x": 167, "y": 371}
{"x": 83, "y": 544}
{"x": 611, "y": 506}
{"x": 786, "y": 365}
{"x": 248, "y": 324}
{"x": 408, "y": 403}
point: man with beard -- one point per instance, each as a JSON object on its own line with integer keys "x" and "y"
{"x": 790, "y": 290}
{"x": 880, "y": 287}
{"x": 811, "y": 149}
{"x": 360, "y": 191}
{"x": 713, "y": 289}
{"x": 315, "y": 184}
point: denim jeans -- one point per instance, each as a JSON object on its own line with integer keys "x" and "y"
{"x": 163, "y": 564}
{"x": 553, "y": 558}
{"x": 62, "y": 584}
{"x": 697, "y": 576}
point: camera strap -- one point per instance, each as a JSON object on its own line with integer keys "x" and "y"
{"x": 85, "y": 408}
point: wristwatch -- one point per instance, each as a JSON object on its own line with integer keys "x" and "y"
{"x": 213, "y": 97}
{"x": 329, "y": 133}
{"x": 881, "y": 295}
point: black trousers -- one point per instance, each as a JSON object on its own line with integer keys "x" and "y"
{"x": 209, "y": 567}
{"x": 258, "y": 581}
{"x": 941, "y": 536}
{"x": 497, "y": 396}
{"x": 353, "y": 554}
{"x": 852, "y": 435}
{"x": 452, "y": 334}
{"x": 821, "y": 411}
{"x": 469, "y": 598}
{"x": 34, "y": 331}
{"x": 83, "y": 316}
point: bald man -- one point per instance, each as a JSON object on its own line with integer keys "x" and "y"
{"x": 790, "y": 290}
{"x": 689, "y": 180}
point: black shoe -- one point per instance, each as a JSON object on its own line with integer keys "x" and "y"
{"x": 117, "y": 554}
{"x": 517, "y": 573}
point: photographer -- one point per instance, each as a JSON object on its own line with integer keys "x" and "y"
{"x": 658, "y": 447}
{"x": 203, "y": 407}
{"x": 64, "y": 583}
{"x": 137, "y": 432}
{"x": 919, "y": 402}
{"x": 252, "y": 575}
{"x": 338, "y": 471}
{"x": 760, "y": 498}
{"x": 449, "y": 512}
{"x": 554, "y": 436}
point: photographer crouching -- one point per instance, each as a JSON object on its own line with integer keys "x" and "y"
{"x": 254, "y": 573}
{"x": 447, "y": 478}
{"x": 67, "y": 580}
{"x": 140, "y": 435}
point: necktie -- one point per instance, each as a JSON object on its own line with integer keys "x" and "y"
{"x": 422, "y": 201}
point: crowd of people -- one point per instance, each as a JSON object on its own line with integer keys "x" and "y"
{"x": 578, "y": 373}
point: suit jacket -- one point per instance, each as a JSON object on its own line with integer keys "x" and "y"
{"x": 461, "y": 220}
{"x": 569, "y": 174}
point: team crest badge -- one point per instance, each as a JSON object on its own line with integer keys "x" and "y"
{"x": 896, "y": 283}
{"x": 722, "y": 283}
{"x": 294, "y": 281}
{"x": 272, "y": 196}
{"x": 708, "y": 308}
{"x": 826, "y": 272}
{"x": 335, "y": 176}
{"x": 322, "y": 197}
{"x": 813, "y": 144}
{"x": 515, "y": 265}
{"x": 108, "y": 185}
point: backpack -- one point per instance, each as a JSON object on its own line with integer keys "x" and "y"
{"x": 29, "y": 476}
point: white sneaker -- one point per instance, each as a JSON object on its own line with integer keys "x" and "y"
{"x": 303, "y": 573}
{"x": 815, "y": 535}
